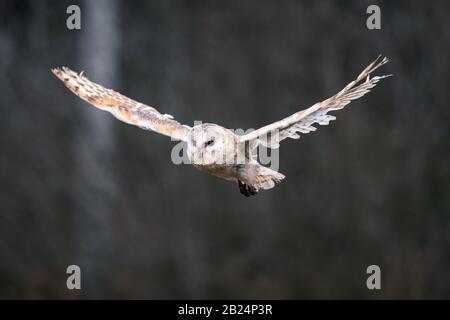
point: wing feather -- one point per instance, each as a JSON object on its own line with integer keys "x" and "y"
{"x": 302, "y": 122}
{"x": 120, "y": 106}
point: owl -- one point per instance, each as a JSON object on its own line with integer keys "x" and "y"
{"x": 212, "y": 148}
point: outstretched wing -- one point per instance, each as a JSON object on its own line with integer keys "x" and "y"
{"x": 302, "y": 121}
{"x": 123, "y": 108}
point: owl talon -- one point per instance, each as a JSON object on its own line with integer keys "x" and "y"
{"x": 247, "y": 190}
{"x": 252, "y": 190}
{"x": 243, "y": 189}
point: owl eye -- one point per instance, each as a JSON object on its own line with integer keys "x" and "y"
{"x": 209, "y": 143}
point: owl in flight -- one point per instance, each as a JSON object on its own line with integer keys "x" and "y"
{"x": 212, "y": 148}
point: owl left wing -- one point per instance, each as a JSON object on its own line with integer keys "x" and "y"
{"x": 122, "y": 107}
{"x": 302, "y": 121}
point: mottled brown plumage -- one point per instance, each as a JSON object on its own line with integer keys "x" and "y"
{"x": 123, "y": 108}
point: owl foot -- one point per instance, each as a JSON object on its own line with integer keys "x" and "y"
{"x": 247, "y": 190}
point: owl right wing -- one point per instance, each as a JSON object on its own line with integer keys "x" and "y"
{"x": 302, "y": 122}
{"x": 122, "y": 107}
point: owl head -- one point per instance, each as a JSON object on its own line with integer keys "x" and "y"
{"x": 210, "y": 144}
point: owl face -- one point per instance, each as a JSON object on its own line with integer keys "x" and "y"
{"x": 210, "y": 144}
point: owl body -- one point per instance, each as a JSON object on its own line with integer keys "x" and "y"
{"x": 217, "y": 151}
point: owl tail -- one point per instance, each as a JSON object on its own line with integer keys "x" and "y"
{"x": 259, "y": 178}
{"x": 266, "y": 178}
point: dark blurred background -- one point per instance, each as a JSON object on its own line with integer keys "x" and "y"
{"x": 79, "y": 187}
